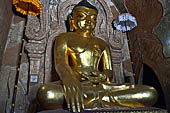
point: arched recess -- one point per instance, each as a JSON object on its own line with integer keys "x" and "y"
{"x": 150, "y": 78}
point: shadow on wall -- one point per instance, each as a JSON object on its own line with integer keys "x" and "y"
{"x": 150, "y": 78}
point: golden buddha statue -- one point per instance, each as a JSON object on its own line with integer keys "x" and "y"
{"x": 83, "y": 63}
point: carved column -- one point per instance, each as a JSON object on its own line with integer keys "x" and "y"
{"x": 37, "y": 34}
{"x": 36, "y": 51}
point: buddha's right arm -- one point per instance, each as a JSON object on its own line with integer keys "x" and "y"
{"x": 71, "y": 84}
{"x": 61, "y": 59}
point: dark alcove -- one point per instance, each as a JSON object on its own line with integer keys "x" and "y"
{"x": 150, "y": 78}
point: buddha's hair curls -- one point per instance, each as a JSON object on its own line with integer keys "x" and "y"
{"x": 85, "y": 3}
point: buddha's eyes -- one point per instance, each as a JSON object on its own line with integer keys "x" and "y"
{"x": 81, "y": 15}
{"x": 93, "y": 18}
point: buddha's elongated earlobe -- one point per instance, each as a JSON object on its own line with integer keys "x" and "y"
{"x": 71, "y": 23}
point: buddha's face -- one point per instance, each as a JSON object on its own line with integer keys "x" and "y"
{"x": 84, "y": 19}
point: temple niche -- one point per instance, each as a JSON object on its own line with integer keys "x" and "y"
{"x": 27, "y": 43}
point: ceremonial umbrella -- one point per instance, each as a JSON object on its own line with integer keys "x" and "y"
{"x": 125, "y": 22}
{"x": 31, "y": 7}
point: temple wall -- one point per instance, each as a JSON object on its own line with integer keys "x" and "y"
{"x": 11, "y": 33}
{"x": 149, "y": 40}
{"x": 5, "y": 21}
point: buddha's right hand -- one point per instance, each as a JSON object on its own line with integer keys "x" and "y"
{"x": 73, "y": 94}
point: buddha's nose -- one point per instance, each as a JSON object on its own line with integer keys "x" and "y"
{"x": 88, "y": 20}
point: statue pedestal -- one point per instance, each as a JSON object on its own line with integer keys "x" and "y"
{"x": 134, "y": 110}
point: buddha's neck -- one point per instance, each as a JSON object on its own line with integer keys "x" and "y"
{"x": 88, "y": 35}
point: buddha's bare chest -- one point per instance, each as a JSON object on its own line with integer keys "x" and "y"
{"x": 86, "y": 52}
{"x": 90, "y": 47}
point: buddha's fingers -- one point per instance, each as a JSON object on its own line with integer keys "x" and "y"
{"x": 78, "y": 99}
{"x": 72, "y": 93}
{"x": 67, "y": 96}
{"x": 81, "y": 98}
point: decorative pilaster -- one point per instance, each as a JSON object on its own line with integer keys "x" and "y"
{"x": 36, "y": 51}
{"x": 37, "y": 34}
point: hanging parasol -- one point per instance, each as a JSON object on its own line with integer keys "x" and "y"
{"x": 125, "y": 22}
{"x": 32, "y": 7}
